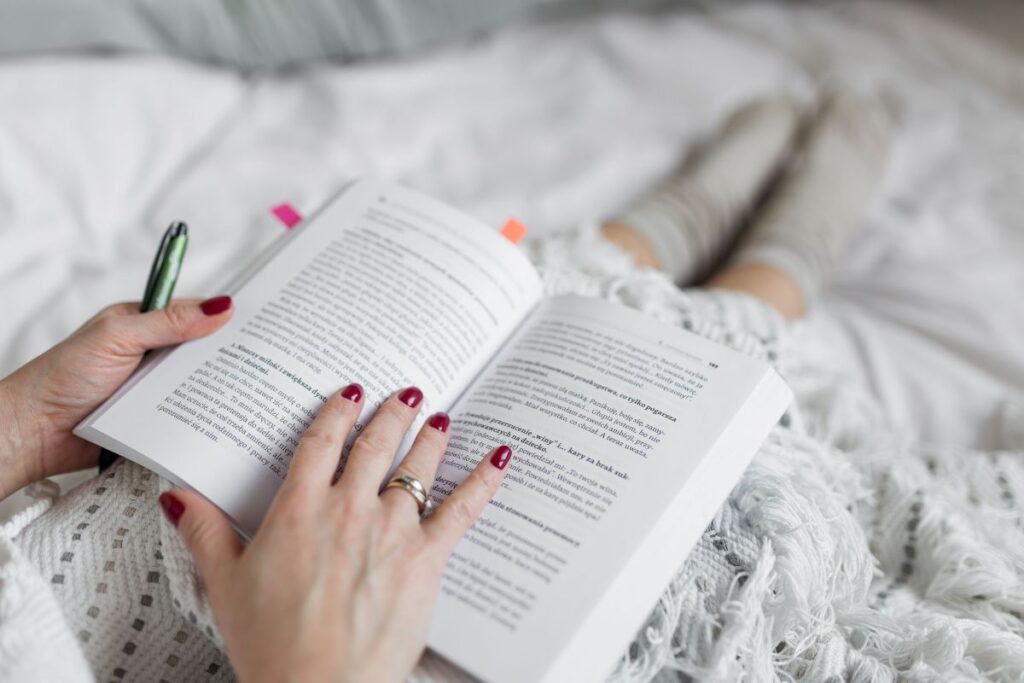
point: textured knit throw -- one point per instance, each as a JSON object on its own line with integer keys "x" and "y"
{"x": 842, "y": 553}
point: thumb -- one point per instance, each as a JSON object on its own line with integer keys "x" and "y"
{"x": 207, "y": 533}
{"x": 136, "y": 333}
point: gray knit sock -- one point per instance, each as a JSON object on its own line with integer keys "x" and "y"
{"x": 690, "y": 218}
{"x": 817, "y": 204}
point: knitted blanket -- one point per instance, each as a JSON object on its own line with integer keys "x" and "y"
{"x": 843, "y": 553}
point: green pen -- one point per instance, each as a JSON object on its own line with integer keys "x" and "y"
{"x": 163, "y": 276}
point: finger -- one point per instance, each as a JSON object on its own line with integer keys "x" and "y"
{"x": 374, "y": 450}
{"x": 460, "y": 510}
{"x": 420, "y": 464}
{"x": 136, "y": 333}
{"x": 316, "y": 459}
{"x": 207, "y": 533}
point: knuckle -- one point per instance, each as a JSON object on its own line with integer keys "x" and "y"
{"x": 339, "y": 406}
{"x": 199, "y": 534}
{"x": 110, "y": 335}
{"x": 329, "y": 408}
{"x": 318, "y": 438}
{"x": 352, "y": 508}
{"x": 393, "y": 414}
{"x": 371, "y": 443}
{"x": 301, "y": 493}
{"x": 178, "y": 319}
{"x": 431, "y": 440}
{"x": 462, "y": 512}
{"x": 354, "y": 520}
{"x": 111, "y": 311}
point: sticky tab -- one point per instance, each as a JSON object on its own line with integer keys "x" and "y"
{"x": 287, "y": 214}
{"x": 513, "y": 231}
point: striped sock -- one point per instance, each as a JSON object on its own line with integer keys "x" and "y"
{"x": 690, "y": 218}
{"x": 817, "y": 204}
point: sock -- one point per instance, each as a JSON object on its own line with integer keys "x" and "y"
{"x": 821, "y": 199}
{"x": 691, "y": 218}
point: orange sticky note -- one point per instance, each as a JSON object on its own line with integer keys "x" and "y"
{"x": 513, "y": 231}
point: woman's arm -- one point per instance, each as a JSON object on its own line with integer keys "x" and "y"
{"x": 15, "y": 471}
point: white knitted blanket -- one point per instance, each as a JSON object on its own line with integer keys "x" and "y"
{"x": 842, "y": 553}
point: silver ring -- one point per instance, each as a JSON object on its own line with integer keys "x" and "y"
{"x": 412, "y": 486}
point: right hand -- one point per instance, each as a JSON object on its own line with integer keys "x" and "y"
{"x": 339, "y": 582}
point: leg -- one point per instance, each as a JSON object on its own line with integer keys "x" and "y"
{"x": 633, "y": 243}
{"x": 792, "y": 246}
{"x": 687, "y": 222}
{"x": 769, "y": 284}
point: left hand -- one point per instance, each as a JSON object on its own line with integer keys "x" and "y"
{"x": 45, "y": 398}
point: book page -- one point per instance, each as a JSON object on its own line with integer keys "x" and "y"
{"x": 384, "y": 287}
{"x": 609, "y": 413}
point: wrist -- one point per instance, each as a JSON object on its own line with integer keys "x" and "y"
{"x": 18, "y": 465}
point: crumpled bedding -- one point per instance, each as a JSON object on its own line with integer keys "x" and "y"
{"x": 845, "y": 551}
{"x": 558, "y": 125}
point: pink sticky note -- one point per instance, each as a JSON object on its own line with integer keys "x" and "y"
{"x": 287, "y": 214}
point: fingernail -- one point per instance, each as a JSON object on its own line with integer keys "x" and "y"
{"x": 216, "y": 305}
{"x": 501, "y": 456}
{"x": 172, "y": 507}
{"x": 439, "y": 421}
{"x": 353, "y": 392}
{"x": 411, "y": 397}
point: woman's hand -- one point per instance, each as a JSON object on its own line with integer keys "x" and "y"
{"x": 338, "y": 584}
{"x": 44, "y": 399}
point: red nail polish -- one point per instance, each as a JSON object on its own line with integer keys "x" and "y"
{"x": 353, "y": 392}
{"x": 439, "y": 421}
{"x": 172, "y": 507}
{"x": 411, "y": 397}
{"x": 216, "y": 305}
{"x": 501, "y": 456}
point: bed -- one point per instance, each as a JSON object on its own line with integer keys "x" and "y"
{"x": 556, "y": 124}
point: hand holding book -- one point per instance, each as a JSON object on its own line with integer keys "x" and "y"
{"x": 363, "y": 572}
{"x": 43, "y": 401}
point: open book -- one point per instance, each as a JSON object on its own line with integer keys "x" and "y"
{"x": 628, "y": 433}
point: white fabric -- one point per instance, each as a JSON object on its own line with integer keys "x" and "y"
{"x": 841, "y": 553}
{"x": 555, "y": 125}
{"x": 32, "y": 624}
{"x": 98, "y": 155}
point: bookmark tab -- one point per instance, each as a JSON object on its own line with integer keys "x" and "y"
{"x": 287, "y": 214}
{"x": 513, "y": 231}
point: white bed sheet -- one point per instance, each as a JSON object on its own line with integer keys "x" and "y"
{"x": 557, "y": 125}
